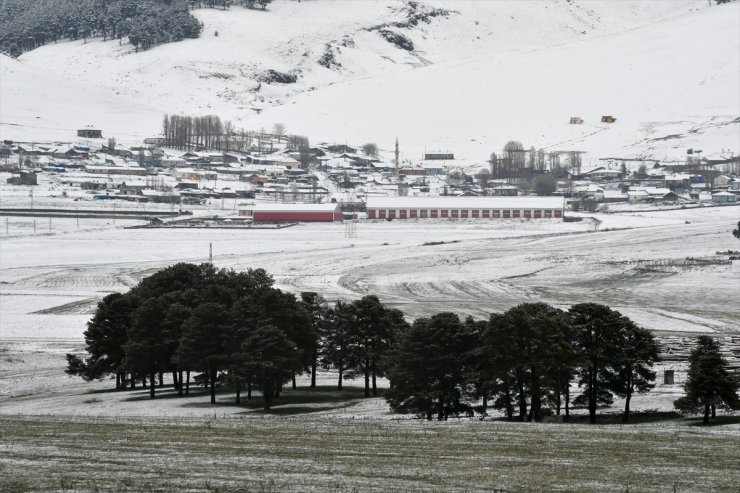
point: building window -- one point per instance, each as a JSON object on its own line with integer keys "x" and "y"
{"x": 433, "y": 213}
{"x": 381, "y": 214}
{"x": 506, "y": 214}
{"x": 423, "y": 214}
{"x": 548, "y": 214}
{"x": 392, "y": 214}
{"x": 444, "y": 213}
{"x": 558, "y": 213}
{"x": 538, "y": 214}
{"x": 527, "y": 214}
{"x": 475, "y": 213}
{"x": 515, "y": 213}
{"x": 412, "y": 214}
{"x": 371, "y": 214}
{"x": 455, "y": 213}
{"x": 402, "y": 214}
{"x": 487, "y": 214}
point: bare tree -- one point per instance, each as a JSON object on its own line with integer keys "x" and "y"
{"x": 278, "y": 130}
{"x": 370, "y": 149}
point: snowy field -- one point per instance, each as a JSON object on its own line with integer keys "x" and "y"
{"x": 637, "y": 263}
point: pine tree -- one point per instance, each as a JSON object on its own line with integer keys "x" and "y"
{"x": 634, "y": 374}
{"x": 427, "y": 367}
{"x": 709, "y": 384}
{"x": 105, "y": 337}
{"x": 596, "y": 331}
{"x": 272, "y": 358}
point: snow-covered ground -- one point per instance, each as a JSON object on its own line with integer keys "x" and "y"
{"x": 480, "y": 75}
{"x": 51, "y": 281}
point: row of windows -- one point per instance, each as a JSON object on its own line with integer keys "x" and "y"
{"x": 464, "y": 214}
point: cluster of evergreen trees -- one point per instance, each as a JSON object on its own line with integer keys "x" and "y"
{"x": 236, "y": 329}
{"x": 231, "y": 327}
{"x": 522, "y": 361}
{"x": 28, "y": 24}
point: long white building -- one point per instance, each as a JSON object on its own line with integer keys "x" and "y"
{"x": 465, "y": 208}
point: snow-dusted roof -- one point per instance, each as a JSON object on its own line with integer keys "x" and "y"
{"x": 465, "y": 202}
{"x": 295, "y": 207}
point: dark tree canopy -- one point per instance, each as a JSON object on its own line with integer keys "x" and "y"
{"x": 427, "y": 367}
{"x": 28, "y": 24}
{"x": 709, "y": 384}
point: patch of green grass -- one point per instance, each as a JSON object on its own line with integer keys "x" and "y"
{"x": 286, "y": 452}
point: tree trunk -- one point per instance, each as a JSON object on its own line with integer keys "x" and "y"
{"x": 714, "y": 411}
{"x": 341, "y": 374}
{"x": 293, "y": 381}
{"x": 133, "y": 381}
{"x": 706, "y": 413}
{"x": 238, "y": 391}
{"x": 180, "y": 385}
{"x": 375, "y": 379}
{"x": 536, "y": 404}
{"x": 367, "y": 377}
{"x": 187, "y": 382}
{"x": 484, "y": 407}
{"x": 213, "y": 385}
{"x": 249, "y": 388}
{"x": 118, "y": 381}
{"x": 429, "y": 414}
{"x": 592, "y": 397}
{"x": 151, "y": 386}
{"x": 161, "y": 379}
{"x": 509, "y": 403}
{"x": 522, "y": 402}
{"x": 313, "y": 374}
{"x": 626, "y": 416}
{"x": 567, "y": 402}
{"x": 267, "y": 393}
{"x": 175, "y": 382}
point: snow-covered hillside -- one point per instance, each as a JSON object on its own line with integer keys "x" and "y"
{"x": 480, "y": 74}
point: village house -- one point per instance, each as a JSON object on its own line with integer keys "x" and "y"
{"x": 116, "y": 170}
{"x": 23, "y": 178}
{"x": 724, "y": 198}
{"x": 651, "y": 194}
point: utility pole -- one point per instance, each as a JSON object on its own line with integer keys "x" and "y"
{"x": 210, "y": 253}
{"x": 397, "y": 154}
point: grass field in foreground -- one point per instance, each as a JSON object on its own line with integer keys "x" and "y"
{"x": 264, "y": 453}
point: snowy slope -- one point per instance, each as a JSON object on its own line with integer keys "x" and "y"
{"x": 481, "y": 73}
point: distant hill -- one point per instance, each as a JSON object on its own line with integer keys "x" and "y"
{"x": 464, "y": 76}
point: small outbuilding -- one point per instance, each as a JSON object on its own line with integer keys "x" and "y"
{"x": 576, "y": 120}
{"x": 295, "y": 213}
{"x": 608, "y": 119}
{"x": 90, "y": 133}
